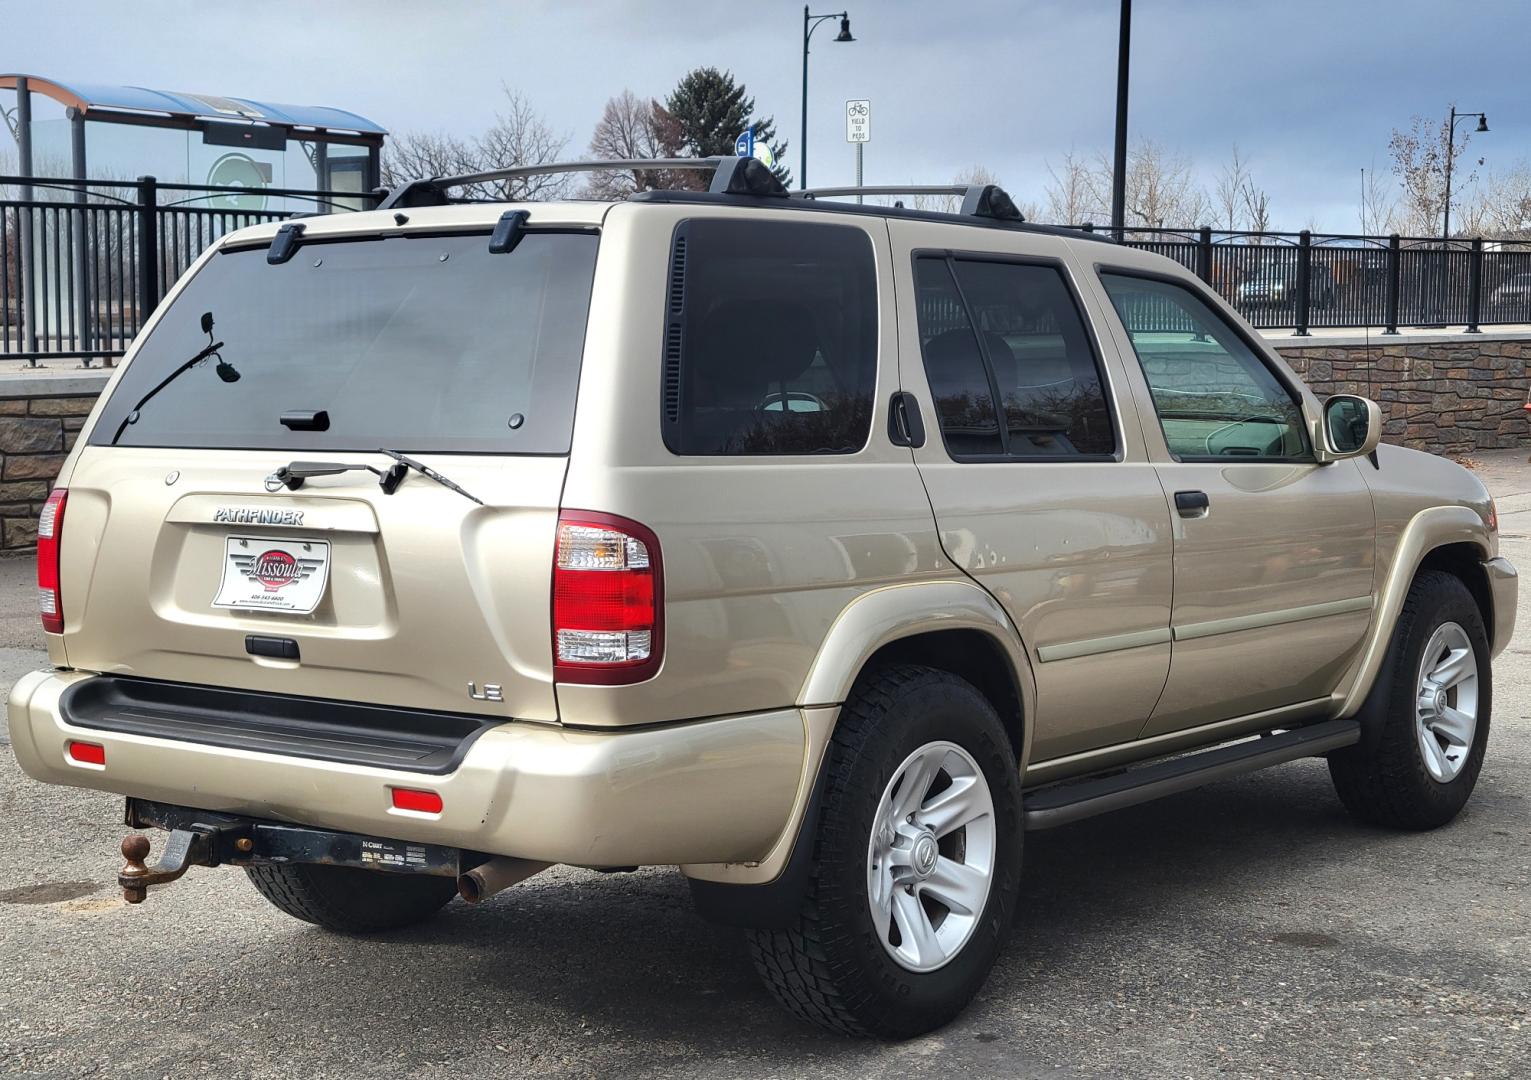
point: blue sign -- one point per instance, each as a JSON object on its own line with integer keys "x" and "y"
{"x": 744, "y": 145}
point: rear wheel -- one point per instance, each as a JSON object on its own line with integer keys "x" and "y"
{"x": 917, "y": 862}
{"x": 349, "y": 900}
{"x": 1420, "y": 768}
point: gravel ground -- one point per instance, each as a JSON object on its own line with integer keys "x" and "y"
{"x": 1245, "y": 929}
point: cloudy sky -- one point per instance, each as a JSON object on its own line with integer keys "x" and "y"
{"x": 1309, "y": 89}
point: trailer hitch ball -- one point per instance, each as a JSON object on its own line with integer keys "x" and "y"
{"x": 135, "y": 849}
{"x": 183, "y": 848}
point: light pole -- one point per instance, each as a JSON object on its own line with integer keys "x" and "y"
{"x": 1451, "y": 143}
{"x": 810, "y": 24}
{"x": 1119, "y": 166}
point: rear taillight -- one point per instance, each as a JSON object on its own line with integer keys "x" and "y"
{"x": 608, "y": 600}
{"x": 50, "y": 531}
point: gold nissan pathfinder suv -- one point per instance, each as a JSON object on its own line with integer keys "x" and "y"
{"x": 818, "y": 549}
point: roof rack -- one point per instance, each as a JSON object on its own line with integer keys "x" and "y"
{"x": 730, "y": 176}
{"x": 978, "y": 200}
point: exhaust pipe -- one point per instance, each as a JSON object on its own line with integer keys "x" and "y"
{"x": 486, "y": 879}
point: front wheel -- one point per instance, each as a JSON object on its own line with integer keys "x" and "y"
{"x": 917, "y": 862}
{"x": 1420, "y": 769}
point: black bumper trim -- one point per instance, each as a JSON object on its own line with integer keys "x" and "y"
{"x": 348, "y": 732}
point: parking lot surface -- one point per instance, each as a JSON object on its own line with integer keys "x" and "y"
{"x": 1249, "y": 929}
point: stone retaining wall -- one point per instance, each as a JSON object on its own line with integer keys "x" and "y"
{"x": 1448, "y": 393}
{"x": 40, "y": 418}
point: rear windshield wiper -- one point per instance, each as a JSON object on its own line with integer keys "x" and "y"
{"x": 293, "y": 475}
{"x": 425, "y": 470}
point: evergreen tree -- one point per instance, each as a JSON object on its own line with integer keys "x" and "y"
{"x": 711, "y": 109}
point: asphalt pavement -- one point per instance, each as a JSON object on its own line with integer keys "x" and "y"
{"x": 1246, "y": 929}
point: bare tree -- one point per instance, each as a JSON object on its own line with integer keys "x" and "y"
{"x": 1070, "y": 194}
{"x": 1501, "y": 206}
{"x": 1228, "y": 195}
{"x": 1161, "y": 191}
{"x": 1379, "y": 203}
{"x": 413, "y": 155}
{"x": 1257, "y": 208}
{"x": 1420, "y": 157}
{"x": 632, "y": 127}
{"x": 519, "y": 136}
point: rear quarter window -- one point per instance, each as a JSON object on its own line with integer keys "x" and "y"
{"x": 770, "y": 338}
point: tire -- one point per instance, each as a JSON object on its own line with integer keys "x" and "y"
{"x": 1386, "y": 779}
{"x": 349, "y": 900}
{"x": 833, "y": 966}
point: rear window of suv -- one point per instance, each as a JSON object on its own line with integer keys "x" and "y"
{"x": 415, "y": 343}
{"x": 770, "y": 338}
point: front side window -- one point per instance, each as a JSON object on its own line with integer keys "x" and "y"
{"x": 771, "y": 338}
{"x": 1009, "y": 333}
{"x": 1215, "y": 397}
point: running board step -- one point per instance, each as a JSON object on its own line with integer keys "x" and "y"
{"x": 1065, "y": 803}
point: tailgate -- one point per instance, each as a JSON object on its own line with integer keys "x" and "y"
{"x": 185, "y": 558}
{"x": 421, "y": 592}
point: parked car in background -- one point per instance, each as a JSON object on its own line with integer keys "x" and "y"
{"x": 820, "y": 550}
{"x": 1276, "y": 286}
{"x": 1514, "y": 291}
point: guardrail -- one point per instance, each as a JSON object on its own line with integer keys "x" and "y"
{"x": 84, "y": 262}
{"x": 1305, "y": 280}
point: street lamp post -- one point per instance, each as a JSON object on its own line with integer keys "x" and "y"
{"x": 1119, "y": 159}
{"x": 1451, "y": 143}
{"x": 810, "y": 24}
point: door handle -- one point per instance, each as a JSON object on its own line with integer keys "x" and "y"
{"x": 905, "y": 426}
{"x": 1192, "y": 504}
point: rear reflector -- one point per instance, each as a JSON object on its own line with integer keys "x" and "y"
{"x": 50, "y": 532}
{"x": 87, "y": 753}
{"x": 426, "y": 802}
{"x": 608, "y": 600}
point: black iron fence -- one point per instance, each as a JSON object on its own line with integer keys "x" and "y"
{"x": 84, "y": 262}
{"x": 1305, "y": 280}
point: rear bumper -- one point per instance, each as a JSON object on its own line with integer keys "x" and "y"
{"x": 714, "y": 791}
{"x": 1502, "y": 580}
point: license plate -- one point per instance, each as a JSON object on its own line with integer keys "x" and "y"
{"x": 273, "y": 575}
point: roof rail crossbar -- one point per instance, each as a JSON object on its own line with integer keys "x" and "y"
{"x": 885, "y": 189}
{"x": 729, "y": 177}
{"x": 978, "y": 200}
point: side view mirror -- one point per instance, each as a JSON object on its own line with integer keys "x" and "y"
{"x": 207, "y": 322}
{"x": 1352, "y": 426}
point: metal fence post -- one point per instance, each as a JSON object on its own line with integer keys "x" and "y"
{"x": 1394, "y": 273}
{"x": 27, "y": 267}
{"x": 1204, "y": 254}
{"x": 1304, "y": 276}
{"x": 1475, "y": 285}
{"x": 83, "y": 253}
{"x": 148, "y": 249}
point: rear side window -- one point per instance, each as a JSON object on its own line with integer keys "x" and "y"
{"x": 770, "y": 338}
{"x": 1010, "y": 333}
{"x": 412, "y": 343}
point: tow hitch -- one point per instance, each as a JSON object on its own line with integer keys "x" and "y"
{"x": 207, "y": 838}
{"x": 186, "y": 848}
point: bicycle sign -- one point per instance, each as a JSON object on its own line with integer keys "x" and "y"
{"x": 858, "y": 121}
